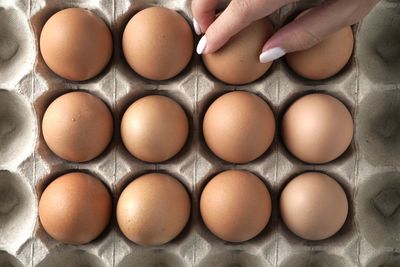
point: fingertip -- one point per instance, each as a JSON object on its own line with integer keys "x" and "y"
{"x": 285, "y": 38}
{"x": 276, "y": 40}
{"x": 228, "y": 23}
{"x": 203, "y": 12}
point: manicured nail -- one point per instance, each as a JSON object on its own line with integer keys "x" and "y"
{"x": 271, "y": 54}
{"x": 196, "y": 27}
{"x": 201, "y": 46}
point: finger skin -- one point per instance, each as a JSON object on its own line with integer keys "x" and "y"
{"x": 238, "y": 15}
{"x": 204, "y": 12}
{"x": 234, "y": 18}
{"x": 319, "y": 23}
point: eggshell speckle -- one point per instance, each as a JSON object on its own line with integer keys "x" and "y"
{"x": 235, "y": 205}
{"x": 317, "y": 128}
{"x": 77, "y": 126}
{"x": 313, "y": 206}
{"x": 75, "y": 208}
{"x": 237, "y": 62}
{"x": 157, "y": 43}
{"x": 153, "y": 209}
{"x": 239, "y": 127}
{"x": 76, "y": 44}
{"x": 154, "y": 128}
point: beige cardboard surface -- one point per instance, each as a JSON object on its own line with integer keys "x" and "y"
{"x": 369, "y": 170}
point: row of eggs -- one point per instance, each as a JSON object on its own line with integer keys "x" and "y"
{"x": 154, "y": 208}
{"x": 158, "y": 44}
{"x": 238, "y": 127}
{"x": 235, "y": 205}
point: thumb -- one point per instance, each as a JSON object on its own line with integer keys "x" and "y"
{"x": 203, "y": 14}
{"x": 233, "y": 19}
{"x": 311, "y": 28}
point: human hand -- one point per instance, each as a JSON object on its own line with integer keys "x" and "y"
{"x": 300, "y": 34}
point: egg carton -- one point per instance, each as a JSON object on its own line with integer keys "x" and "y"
{"x": 369, "y": 170}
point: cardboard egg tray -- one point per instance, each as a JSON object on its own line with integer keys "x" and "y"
{"x": 369, "y": 170}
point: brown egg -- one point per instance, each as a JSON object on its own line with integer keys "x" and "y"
{"x": 75, "y": 208}
{"x": 235, "y": 205}
{"x": 157, "y": 43}
{"x": 325, "y": 59}
{"x": 313, "y": 206}
{"x": 76, "y": 44}
{"x": 239, "y": 127}
{"x": 237, "y": 62}
{"x": 154, "y": 128}
{"x": 153, "y": 209}
{"x": 317, "y": 128}
{"x": 77, "y": 126}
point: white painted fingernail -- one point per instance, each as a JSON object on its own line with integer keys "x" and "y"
{"x": 271, "y": 54}
{"x": 201, "y": 45}
{"x": 196, "y": 27}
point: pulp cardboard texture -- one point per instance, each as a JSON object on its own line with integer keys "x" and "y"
{"x": 369, "y": 170}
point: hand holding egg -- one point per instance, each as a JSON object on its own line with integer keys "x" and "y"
{"x": 301, "y": 34}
